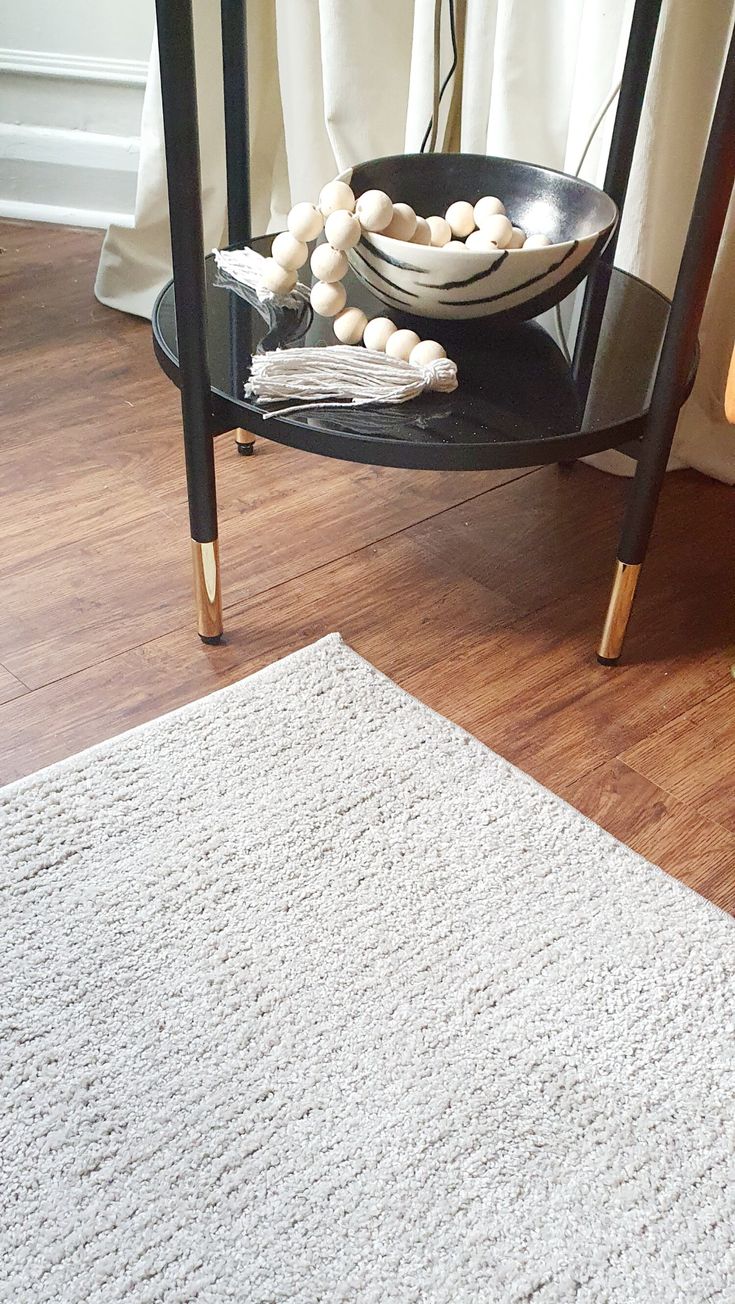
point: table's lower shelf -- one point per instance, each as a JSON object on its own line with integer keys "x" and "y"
{"x": 519, "y": 402}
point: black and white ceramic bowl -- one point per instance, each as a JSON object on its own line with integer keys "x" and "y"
{"x": 460, "y": 284}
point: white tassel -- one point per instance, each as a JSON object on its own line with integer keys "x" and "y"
{"x": 343, "y": 375}
{"x": 246, "y": 267}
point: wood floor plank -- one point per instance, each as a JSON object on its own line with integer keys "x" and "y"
{"x": 90, "y": 599}
{"x": 668, "y": 832}
{"x": 114, "y": 574}
{"x": 61, "y": 497}
{"x": 10, "y": 687}
{"x": 388, "y": 601}
{"x": 536, "y": 688}
{"x": 558, "y": 537}
{"x": 537, "y": 695}
{"x": 693, "y": 757}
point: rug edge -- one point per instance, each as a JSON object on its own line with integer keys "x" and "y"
{"x": 99, "y": 748}
{"x": 536, "y": 785}
{"x": 335, "y": 639}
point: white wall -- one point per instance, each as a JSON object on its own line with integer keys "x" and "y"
{"x": 72, "y": 74}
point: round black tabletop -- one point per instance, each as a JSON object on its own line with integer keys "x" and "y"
{"x": 519, "y": 401}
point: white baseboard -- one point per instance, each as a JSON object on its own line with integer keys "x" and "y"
{"x": 66, "y": 148}
{"x": 54, "y": 174}
{"x": 73, "y": 67}
{"x": 20, "y": 211}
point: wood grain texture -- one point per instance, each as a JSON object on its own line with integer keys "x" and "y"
{"x": 673, "y": 833}
{"x": 10, "y": 686}
{"x": 693, "y": 756}
{"x": 483, "y": 593}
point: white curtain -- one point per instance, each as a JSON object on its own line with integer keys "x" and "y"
{"x": 335, "y": 81}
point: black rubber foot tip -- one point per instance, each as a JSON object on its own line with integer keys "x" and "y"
{"x": 607, "y": 661}
{"x": 246, "y": 450}
{"x": 212, "y": 639}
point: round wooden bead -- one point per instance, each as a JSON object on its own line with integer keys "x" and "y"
{"x": 487, "y": 207}
{"x": 422, "y": 234}
{"x": 498, "y": 228}
{"x": 400, "y": 344}
{"x": 402, "y": 224}
{"x": 538, "y": 241}
{"x": 277, "y": 278}
{"x": 289, "y": 252}
{"x": 305, "y": 222}
{"x": 378, "y": 332}
{"x": 461, "y": 217}
{"x": 426, "y": 351}
{"x": 480, "y": 242}
{"x": 328, "y": 299}
{"x": 374, "y": 209}
{"x": 455, "y": 244}
{"x": 349, "y": 325}
{"x": 342, "y": 230}
{"x": 518, "y": 238}
{"x": 441, "y": 231}
{"x": 335, "y": 197}
{"x": 328, "y": 264}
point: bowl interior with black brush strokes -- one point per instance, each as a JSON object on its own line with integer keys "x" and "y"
{"x": 459, "y": 284}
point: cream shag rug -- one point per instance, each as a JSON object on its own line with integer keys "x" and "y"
{"x": 308, "y": 996}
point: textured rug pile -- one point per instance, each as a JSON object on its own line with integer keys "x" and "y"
{"x": 307, "y": 996}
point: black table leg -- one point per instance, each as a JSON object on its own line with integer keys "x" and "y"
{"x": 680, "y": 342}
{"x": 181, "y": 131}
{"x": 237, "y": 130}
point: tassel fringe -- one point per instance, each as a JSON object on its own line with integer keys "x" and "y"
{"x": 246, "y": 267}
{"x": 343, "y": 375}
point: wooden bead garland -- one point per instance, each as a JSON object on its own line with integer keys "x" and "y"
{"x": 377, "y": 332}
{"x": 328, "y": 298}
{"x": 343, "y": 219}
{"x": 481, "y": 242}
{"x": 441, "y": 231}
{"x": 400, "y": 344}
{"x": 488, "y": 206}
{"x": 289, "y": 252}
{"x": 335, "y": 196}
{"x": 498, "y": 228}
{"x": 402, "y": 224}
{"x": 374, "y": 209}
{"x": 328, "y": 264}
{"x": 349, "y": 325}
{"x": 422, "y": 234}
{"x": 461, "y": 217}
{"x": 343, "y": 229}
{"x": 426, "y": 351}
{"x": 278, "y": 279}
{"x": 481, "y": 227}
{"x": 305, "y": 222}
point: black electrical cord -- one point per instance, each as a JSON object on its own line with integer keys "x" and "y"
{"x": 447, "y": 79}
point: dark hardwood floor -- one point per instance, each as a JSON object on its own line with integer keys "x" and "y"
{"x": 480, "y": 593}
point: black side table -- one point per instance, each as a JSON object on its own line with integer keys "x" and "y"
{"x": 519, "y": 402}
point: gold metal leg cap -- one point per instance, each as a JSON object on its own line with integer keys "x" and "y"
{"x": 207, "y": 592}
{"x": 618, "y": 612}
{"x": 245, "y": 441}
